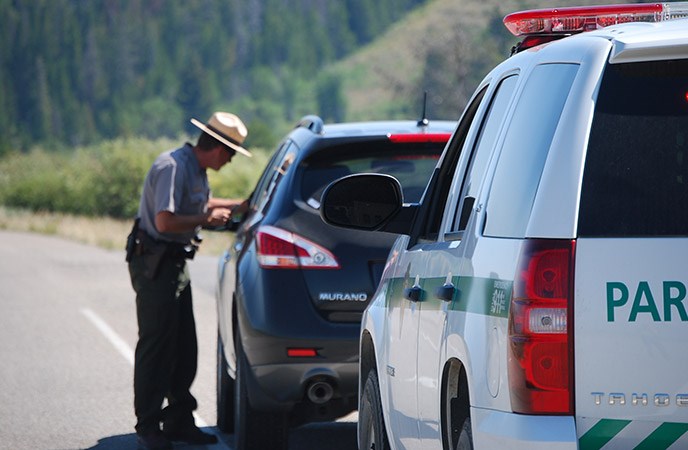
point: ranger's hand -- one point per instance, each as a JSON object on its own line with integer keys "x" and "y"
{"x": 218, "y": 216}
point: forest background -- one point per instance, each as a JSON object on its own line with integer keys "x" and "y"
{"x": 91, "y": 91}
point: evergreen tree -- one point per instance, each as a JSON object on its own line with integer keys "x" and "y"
{"x": 73, "y": 72}
{"x": 331, "y": 103}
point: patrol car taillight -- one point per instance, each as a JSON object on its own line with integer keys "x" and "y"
{"x": 558, "y": 22}
{"x": 540, "y": 329}
{"x": 280, "y": 249}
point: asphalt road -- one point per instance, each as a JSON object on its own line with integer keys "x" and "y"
{"x": 67, "y": 334}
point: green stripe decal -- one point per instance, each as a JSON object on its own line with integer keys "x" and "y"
{"x": 606, "y": 430}
{"x": 663, "y": 437}
{"x": 601, "y": 433}
{"x": 487, "y": 296}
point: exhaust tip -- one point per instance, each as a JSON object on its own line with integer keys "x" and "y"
{"x": 320, "y": 392}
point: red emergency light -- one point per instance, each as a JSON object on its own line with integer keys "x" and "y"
{"x": 543, "y": 25}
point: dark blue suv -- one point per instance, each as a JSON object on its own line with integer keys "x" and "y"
{"x": 292, "y": 289}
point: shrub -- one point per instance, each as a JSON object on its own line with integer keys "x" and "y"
{"x": 104, "y": 179}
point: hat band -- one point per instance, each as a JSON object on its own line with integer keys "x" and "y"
{"x": 215, "y": 130}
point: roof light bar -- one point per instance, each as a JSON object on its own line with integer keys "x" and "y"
{"x": 577, "y": 19}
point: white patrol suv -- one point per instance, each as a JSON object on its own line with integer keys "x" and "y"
{"x": 537, "y": 298}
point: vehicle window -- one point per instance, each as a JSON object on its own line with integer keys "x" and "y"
{"x": 275, "y": 175}
{"x": 635, "y": 181}
{"x": 482, "y": 151}
{"x": 434, "y": 203}
{"x": 259, "y": 191}
{"x": 411, "y": 164}
{"x": 526, "y": 145}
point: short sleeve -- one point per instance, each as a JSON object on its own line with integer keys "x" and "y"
{"x": 166, "y": 189}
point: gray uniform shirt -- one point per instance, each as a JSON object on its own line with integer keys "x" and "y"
{"x": 175, "y": 183}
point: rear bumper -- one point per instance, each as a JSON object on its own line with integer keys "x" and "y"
{"x": 282, "y": 386}
{"x": 275, "y": 313}
{"x": 278, "y": 382}
{"x": 497, "y": 429}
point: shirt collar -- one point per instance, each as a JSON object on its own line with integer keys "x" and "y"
{"x": 189, "y": 153}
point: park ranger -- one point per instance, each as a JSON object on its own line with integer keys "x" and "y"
{"x": 175, "y": 204}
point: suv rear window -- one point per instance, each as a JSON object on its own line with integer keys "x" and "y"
{"x": 525, "y": 149}
{"x": 411, "y": 164}
{"x": 636, "y": 171}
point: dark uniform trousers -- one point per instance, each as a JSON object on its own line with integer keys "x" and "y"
{"x": 166, "y": 353}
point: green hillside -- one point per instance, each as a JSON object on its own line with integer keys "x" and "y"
{"x": 77, "y": 72}
{"x": 444, "y": 47}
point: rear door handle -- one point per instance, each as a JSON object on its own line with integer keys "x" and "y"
{"x": 445, "y": 292}
{"x": 415, "y": 292}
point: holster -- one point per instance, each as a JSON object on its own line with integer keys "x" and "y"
{"x": 139, "y": 243}
{"x": 132, "y": 240}
{"x": 152, "y": 252}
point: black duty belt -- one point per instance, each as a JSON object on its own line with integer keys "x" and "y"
{"x": 146, "y": 243}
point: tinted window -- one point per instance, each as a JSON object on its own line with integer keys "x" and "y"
{"x": 483, "y": 150}
{"x": 526, "y": 145}
{"x": 432, "y": 209}
{"x": 411, "y": 164}
{"x": 274, "y": 175}
{"x": 259, "y": 192}
{"x": 636, "y": 171}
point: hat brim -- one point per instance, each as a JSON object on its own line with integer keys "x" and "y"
{"x": 221, "y": 138}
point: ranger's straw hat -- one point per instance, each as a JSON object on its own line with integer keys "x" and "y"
{"x": 226, "y": 128}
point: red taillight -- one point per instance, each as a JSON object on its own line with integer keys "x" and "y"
{"x": 419, "y": 137}
{"x": 281, "y": 249}
{"x": 302, "y": 352}
{"x": 541, "y": 329}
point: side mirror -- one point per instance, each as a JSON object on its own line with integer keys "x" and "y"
{"x": 366, "y": 201}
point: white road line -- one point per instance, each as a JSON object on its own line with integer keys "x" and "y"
{"x": 122, "y": 347}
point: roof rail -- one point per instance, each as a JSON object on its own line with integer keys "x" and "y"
{"x": 312, "y": 122}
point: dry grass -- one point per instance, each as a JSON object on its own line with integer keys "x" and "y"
{"x": 101, "y": 232}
